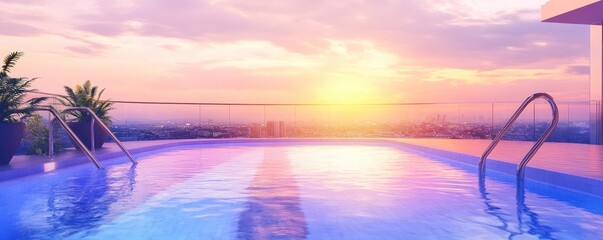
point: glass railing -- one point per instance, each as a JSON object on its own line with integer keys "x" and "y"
{"x": 142, "y": 121}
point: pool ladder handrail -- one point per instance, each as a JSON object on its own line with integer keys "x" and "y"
{"x": 75, "y": 138}
{"x": 103, "y": 126}
{"x": 521, "y": 166}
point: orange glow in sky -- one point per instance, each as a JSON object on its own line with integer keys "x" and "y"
{"x": 337, "y": 51}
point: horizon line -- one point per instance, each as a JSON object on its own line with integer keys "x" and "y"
{"x": 307, "y": 104}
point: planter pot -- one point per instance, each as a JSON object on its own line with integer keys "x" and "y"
{"x": 10, "y": 138}
{"x": 82, "y": 130}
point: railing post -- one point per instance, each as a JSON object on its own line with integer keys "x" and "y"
{"x": 50, "y": 137}
{"x": 492, "y": 134}
{"x": 92, "y": 144}
{"x": 534, "y": 122}
{"x": 199, "y": 119}
{"x": 567, "y": 134}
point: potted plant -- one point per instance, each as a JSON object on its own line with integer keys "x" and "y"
{"x": 86, "y": 95}
{"x": 13, "y": 107}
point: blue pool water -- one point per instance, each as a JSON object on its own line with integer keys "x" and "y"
{"x": 290, "y": 192}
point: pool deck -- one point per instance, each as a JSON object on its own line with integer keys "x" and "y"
{"x": 555, "y": 163}
{"x": 570, "y": 158}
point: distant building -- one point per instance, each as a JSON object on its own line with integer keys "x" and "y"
{"x": 255, "y": 130}
{"x": 283, "y": 129}
{"x": 276, "y": 129}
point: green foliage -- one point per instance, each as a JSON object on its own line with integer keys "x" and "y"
{"x": 86, "y": 96}
{"x": 13, "y": 92}
{"x": 36, "y": 137}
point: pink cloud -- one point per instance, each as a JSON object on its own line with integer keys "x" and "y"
{"x": 88, "y": 49}
{"x": 17, "y": 29}
{"x": 25, "y": 2}
{"x": 578, "y": 69}
{"x": 410, "y": 29}
{"x": 170, "y": 47}
{"x": 104, "y": 28}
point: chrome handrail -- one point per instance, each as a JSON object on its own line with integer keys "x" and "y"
{"x": 71, "y": 134}
{"x": 521, "y": 166}
{"x": 302, "y": 104}
{"x": 103, "y": 126}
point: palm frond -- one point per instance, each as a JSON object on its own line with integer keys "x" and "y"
{"x": 36, "y": 101}
{"x": 10, "y": 60}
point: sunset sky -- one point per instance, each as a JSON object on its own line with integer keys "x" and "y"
{"x": 298, "y": 51}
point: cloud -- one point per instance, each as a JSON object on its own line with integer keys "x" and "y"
{"x": 294, "y": 47}
{"x": 406, "y": 27}
{"x": 11, "y": 28}
{"x": 430, "y": 34}
{"x": 24, "y": 2}
{"x": 88, "y": 49}
{"x": 578, "y": 69}
{"x": 185, "y": 19}
{"x": 104, "y": 28}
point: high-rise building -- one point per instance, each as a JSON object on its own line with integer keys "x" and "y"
{"x": 255, "y": 130}
{"x": 276, "y": 129}
{"x": 282, "y": 129}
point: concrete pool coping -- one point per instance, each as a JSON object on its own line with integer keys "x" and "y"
{"x": 558, "y": 164}
{"x": 573, "y": 166}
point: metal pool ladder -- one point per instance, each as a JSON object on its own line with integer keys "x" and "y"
{"x": 95, "y": 118}
{"x": 507, "y": 127}
{"x": 71, "y": 134}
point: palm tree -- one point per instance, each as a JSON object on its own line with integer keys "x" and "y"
{"x": 13, "y": 92}
{"x": 86, "y": 96}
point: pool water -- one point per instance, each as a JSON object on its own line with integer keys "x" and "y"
{"x": 290, "y": 191}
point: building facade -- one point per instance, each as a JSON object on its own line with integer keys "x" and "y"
{"x": 586, "y": 12}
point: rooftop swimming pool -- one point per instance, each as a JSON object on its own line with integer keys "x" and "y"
{"x": 290, "y": 191}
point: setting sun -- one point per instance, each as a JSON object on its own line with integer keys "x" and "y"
{"x": 347, "y": 92}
